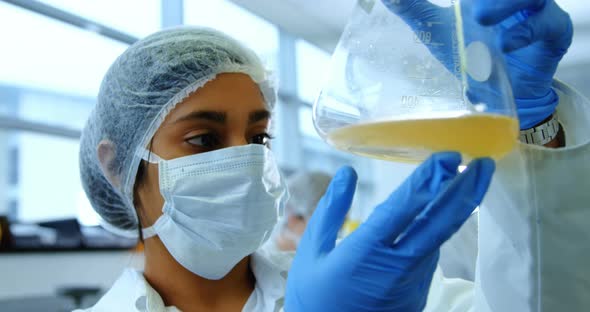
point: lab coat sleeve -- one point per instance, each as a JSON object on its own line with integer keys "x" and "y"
{"x": 449, "y": 294}
{"x": 459, "y": 254}
{"x": 533, "y": 228}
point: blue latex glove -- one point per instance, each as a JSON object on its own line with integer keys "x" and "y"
{"x": 388, "y": 262}
{"x": 534, "y": 34}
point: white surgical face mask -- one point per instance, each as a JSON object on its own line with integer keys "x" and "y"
{"x": 219, "y": 207}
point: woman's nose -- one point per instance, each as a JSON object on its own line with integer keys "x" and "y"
{"x": 237, "y": 140}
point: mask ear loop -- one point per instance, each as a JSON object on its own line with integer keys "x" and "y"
{"x": 151, "y": 158}
{"x": 148, "y": 156}
{"x": 148, "y": 232}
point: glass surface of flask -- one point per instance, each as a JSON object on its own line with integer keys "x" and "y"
{"x": 413, "y": 77}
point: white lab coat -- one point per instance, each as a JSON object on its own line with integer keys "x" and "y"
{"x": 458, "y": 255}
{"x": 534, "y": 228}
{"x": 533, "y": 231}
{"x": 132, "y": 293}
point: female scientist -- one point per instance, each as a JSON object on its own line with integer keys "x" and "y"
{"x": 176, "y": 150}
{"x": 176, "y": 146}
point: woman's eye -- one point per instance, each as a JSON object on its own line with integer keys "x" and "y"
{"x": 207, "y": 140}
{"x": 262, "y": 139}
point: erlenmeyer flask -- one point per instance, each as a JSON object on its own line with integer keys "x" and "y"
{"x": 412, "y": 77}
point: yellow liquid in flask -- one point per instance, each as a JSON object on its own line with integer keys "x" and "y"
{"x": 412, "y": 140}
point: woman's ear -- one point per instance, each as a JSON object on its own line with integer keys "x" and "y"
{"x": 106, "y": 157}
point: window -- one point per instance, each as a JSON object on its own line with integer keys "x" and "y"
{"x": 135, "y": 17}
{"x": 12, "y": 209}
{"x": 48, "y": 83}
{"x": 248, "y": 28}
{"x": 48, "y": 179}
{"x": 13, "y": 160}
{"x": 312, "y": 66}
{"x": 60, "y": 58}
{"x": 306, "y": 126}
{"x": 56, "y": 192}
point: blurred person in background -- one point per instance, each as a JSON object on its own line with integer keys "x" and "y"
{"x": 305, "y": 189}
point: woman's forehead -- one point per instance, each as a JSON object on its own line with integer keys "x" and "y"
{"x": 231, "y": 95}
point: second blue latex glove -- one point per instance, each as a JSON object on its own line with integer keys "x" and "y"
{"x": 388, "y": 262}
{"x": 534, "y": 34}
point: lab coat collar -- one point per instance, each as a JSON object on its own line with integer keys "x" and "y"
{"x": 270, "y": 266}
{"x": 131, "y": 292}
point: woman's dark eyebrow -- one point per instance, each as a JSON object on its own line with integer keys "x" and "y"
{"x": 258, "y": 115}
{"x": 217, "y": 117}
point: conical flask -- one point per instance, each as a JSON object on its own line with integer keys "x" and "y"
{"x": 413, "y": 77}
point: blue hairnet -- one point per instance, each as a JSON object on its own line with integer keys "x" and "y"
{"x": 139, "y": 90}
